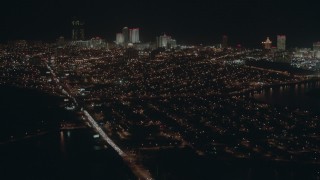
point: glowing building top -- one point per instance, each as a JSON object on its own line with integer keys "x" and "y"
{"x": 267, "y": 44}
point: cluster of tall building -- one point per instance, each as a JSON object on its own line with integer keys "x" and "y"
{"x": 132, "y": 35}
{"x": 93, "y": 43}
{"x": 128, "y": 36}
{"x": 309, "y": 53}
{"x": 281, "y": 43}
{"x": 165, "y": 41}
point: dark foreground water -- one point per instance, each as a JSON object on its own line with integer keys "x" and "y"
{"x": 185, "y": 164}
{"x": 64, "y": 155}
{"x": 38, "y": 150}
{"x": 304, "y": 96}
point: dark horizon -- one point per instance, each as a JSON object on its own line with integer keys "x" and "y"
{"x": 245, "y": 22}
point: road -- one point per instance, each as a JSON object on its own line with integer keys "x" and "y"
{"x": 138, "y": 170}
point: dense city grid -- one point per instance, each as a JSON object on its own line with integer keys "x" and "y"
{"x": 194, "y": 97}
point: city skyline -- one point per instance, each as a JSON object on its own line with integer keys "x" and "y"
{"x": 191, "y": 22}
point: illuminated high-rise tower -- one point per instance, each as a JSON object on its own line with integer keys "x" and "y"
{"x": 281, "y": 42}
{"x": 267, "y": 44}
{"x": 119, "y": 39}
{"x": 134, "y": 35}
{"x": 165, "y": 41}
{"x": 77, "y": 30}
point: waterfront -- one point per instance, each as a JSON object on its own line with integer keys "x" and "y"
{"x": 303, "y": 95}
{"x": 187, "y": 165}
{"x": 62, "y": 155}
{"x": 40, "y": 151}
{"x": 183, "y": 164}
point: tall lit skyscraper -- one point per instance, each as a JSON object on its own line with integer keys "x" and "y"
{"x": 134, "y": 35}
{"x": 77, "y": 30}
{"x": 224, "y": 41}
{"x": 119, "y": 39}
{"x": 125, "y": 33}
{"x": 281, "y": 42}
{"x": 166, "y": 42}
{"x": 163, "y": 41}
{"x": 267, "y": 44}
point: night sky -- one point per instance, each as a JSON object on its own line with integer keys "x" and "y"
{"x": 201, "y": 21}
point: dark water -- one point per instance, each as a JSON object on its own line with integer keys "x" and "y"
{"x": 185, "y": 164}
{"x": 52, "y": 153}
{"x": 63, "y": 155}
{"x": 305, "y": 96}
